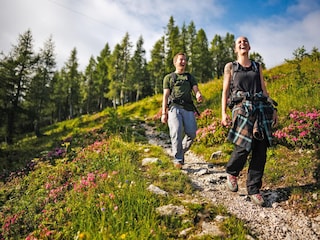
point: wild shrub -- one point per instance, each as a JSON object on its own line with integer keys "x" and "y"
{"x": 301, "y": 130}
{"x": 210, "y": 131}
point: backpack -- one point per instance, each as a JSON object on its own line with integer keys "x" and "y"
{"x": 235, "y": 69}
{"x": 172, "y": 98}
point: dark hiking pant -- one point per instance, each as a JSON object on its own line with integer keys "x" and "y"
{"x": 256, "y": 165}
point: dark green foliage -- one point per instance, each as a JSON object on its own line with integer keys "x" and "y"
{"x": 35, "y": 94}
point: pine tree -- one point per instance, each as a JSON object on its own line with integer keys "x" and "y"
{"x": 114, "y": 74}
{"x": 126, "y": 47}
{"x": 17, "y": 69}
{"x": 59, "y": 97}
{"x": 172, "y": 44}
{"x": 201, "y": 60}
{"x": 37, "y": 99}
{"x": 156, "y": 66}
{"x": 72, "y": 78}
{"x": 101, "y": 78}
{"x": 191, "y": 39}
{"x": 89, "y": 88}
{"x": 138, "y": 77}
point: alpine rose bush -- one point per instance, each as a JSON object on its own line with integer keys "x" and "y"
{"x": 210, "y": 131}
{"x": 302, "y": 131}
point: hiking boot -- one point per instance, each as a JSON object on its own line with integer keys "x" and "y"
{"x": 257, "y": 199}
{"x": 232, "y": 183}
{"x": 178, "y": 165}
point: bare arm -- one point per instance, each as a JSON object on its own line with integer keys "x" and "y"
{"x": 197, "y": 93}
{"x": 164, "y": 115}
{"x": 225, "y": 91}
{"x": 263, "y": 85}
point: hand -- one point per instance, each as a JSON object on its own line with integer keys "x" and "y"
{"x": 275, "y": 119}
{"x": 199, "y": 97}
{"x": 164, "y": 118}
{"x": 225, "y": 121}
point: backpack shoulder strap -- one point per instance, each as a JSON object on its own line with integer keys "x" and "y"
{"x": 255, "y": 66}
{"x": 188, "y": 79}
{"x": 173, "y": 80}
{"x": 235, "y": 67}
{"x": 173, "y": 77}
{"x": 234, "y": 70}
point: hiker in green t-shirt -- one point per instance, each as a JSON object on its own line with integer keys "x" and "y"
{"x": 178, "y": 109}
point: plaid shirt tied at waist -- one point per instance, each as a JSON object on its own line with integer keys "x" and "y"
{"x": 251, "y": 118}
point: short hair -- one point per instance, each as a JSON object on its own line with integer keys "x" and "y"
{"x": 235, "y": 41}
{"x": 178, "y": 54}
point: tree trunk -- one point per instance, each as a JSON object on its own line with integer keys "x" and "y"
{"x": 10, "y": 126}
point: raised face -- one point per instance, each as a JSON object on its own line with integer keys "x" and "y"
{"x": 181, "y": 61}
{"x": 242, "y": 45}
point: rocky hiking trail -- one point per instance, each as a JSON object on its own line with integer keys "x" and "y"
{"x": 268, "y": 222}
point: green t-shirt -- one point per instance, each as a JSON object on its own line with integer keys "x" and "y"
{"x": 182, "y": 88}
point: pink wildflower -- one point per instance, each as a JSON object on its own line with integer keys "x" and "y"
{"x": 104, "y": 175}
{"x": 91, "y": 177}
{"x": 304, "y": 133}
{"x": 48, "y": 186}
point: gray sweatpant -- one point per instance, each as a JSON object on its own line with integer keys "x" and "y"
{"x": 182, "y": 126}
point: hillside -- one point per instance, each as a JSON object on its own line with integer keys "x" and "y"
{"x": 84, "y": 178}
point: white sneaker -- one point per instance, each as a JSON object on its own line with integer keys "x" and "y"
{"x": 232, "y": 183}
{"x": 257, "y": 199}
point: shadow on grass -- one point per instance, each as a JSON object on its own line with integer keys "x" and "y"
{"x": 16, "y": 160}
{"x": 303, "y": 198}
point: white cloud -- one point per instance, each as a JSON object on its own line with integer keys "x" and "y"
{"x": 276, "y": 38}
{"x": 303, "y": 7}
{"x": 89, "y": 24}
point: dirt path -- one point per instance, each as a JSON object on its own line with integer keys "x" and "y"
{"x": 269, "y": 222}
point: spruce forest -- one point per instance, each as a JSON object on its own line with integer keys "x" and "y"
{"x": 34, "y": 93}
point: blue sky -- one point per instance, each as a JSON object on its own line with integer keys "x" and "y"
{"x": 275, "y": 28}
